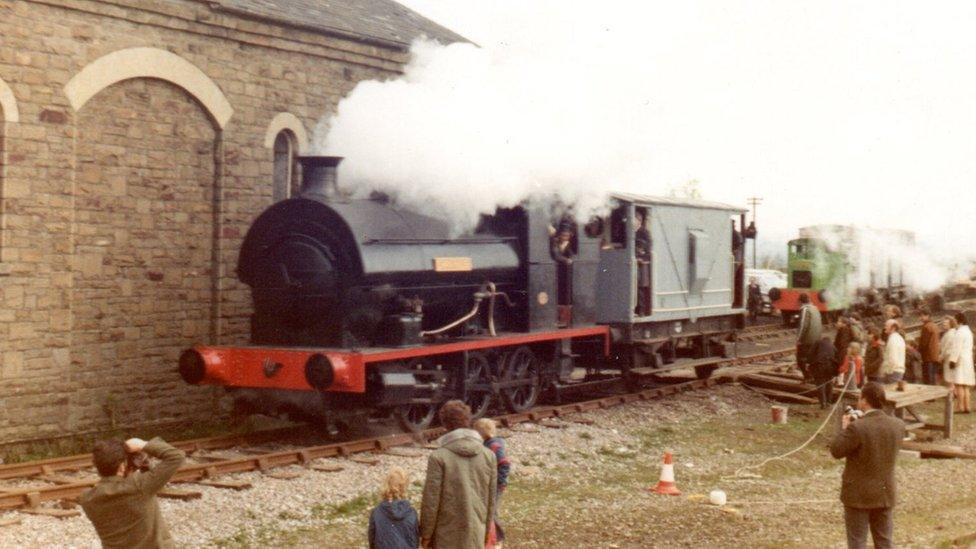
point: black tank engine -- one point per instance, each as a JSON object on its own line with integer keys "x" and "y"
{"x": 361, "y": 306}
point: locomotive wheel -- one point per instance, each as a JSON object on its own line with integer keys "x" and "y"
{"x": 479, "y": 373}
{"x": 416, "y": 417}
{"x": 521, "y": 364}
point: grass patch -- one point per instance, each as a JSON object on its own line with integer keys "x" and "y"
{"x": 353, "y": 506}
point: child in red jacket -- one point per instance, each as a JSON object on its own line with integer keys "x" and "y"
{"x": 853, "y": 365}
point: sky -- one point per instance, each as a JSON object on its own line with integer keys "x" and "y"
{"x": 832, "y": 112}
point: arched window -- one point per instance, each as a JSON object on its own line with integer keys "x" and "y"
{"x": 285, "y": 179}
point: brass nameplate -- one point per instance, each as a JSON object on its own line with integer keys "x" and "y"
{"x": 452, "y": 264}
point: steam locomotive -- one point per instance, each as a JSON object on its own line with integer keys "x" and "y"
{"x": 361, "y": 306}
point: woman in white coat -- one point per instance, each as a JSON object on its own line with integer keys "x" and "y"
{"x": 960, "y": 364}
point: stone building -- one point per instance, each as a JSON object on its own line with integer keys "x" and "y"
{"x": 138, "y": 140}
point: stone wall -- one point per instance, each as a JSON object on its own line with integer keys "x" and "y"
{"x": 128, "y": 184}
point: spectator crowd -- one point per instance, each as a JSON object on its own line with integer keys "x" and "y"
{"x": 861, "y": 353}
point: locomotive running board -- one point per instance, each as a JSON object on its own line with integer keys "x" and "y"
{"x": 266, "y": 367}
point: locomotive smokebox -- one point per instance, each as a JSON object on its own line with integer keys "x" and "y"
{"x": 319, "y": 176}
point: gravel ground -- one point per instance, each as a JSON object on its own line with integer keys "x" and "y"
{"x": 567, "y": 480}
{"x": 228, "y": 517}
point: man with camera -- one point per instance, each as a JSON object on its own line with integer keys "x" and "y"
{"x": 123, "y": 506}
{"x": 870, "y": 441}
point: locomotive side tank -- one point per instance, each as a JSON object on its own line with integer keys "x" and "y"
{"x": 326, "y": 270}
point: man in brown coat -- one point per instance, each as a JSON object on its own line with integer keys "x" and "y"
{"x": 122, "y": 506}
{"x": 928, "y": 347}
{"x": 870, "y": 445}
{"x": 459, "y": 493}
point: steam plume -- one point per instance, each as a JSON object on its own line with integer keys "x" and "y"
{"x": 467, "y": 129}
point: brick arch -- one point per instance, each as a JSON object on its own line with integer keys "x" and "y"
{"x": 287, "y": 121}
{"x": 143, "y": 250}
{"x": 148, "y": 63}
{"x": 8, "y": 103}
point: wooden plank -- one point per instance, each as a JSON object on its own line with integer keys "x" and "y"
{"x": 777, "y": 385}
{"x": 283, "y": 475}
{"x": 182, "y": 495}
{"x": 56, "y": 513}
{"x": 226, "y": 484}
{"x": 914, "y": 394}
{"x": 365, "y": 460}
{"x": 938, "y": 451}
{"x": 762, "y": 376}
{"x": 785, "y": 396}
{"x": 327, "y": 467}
{"x": 786, "y": 376}
{"x": 12, "y": 521}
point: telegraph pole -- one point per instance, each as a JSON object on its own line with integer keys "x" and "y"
{"x": 754, "y": 201}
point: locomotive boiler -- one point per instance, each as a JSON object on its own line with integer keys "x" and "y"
{"x": 361, "y": 306}
{"x": 325, "y": 270}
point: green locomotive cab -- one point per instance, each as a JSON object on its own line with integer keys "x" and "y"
{"x": 818, "y": 271}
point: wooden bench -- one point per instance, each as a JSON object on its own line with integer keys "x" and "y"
{"x": 898, "y": 402}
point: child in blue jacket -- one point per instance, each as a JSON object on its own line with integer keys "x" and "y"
{"x": 393, "y": 523}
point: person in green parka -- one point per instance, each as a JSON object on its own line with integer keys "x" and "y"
{"x": 459, "y": 492}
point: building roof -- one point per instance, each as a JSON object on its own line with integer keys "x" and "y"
{"x": 384, "y": 22}
{"x": 671, "y": 201}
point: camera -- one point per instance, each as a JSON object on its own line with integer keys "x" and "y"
{"x": 853, "y": 413}
{"x": 136, "y": 461}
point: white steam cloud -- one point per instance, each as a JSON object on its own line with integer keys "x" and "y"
{"x": 881, "y": 257}
{"x": 834, "y": 113}
{"x": 470, "y": 128}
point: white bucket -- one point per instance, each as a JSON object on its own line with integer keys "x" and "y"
{"x": 717, "y": 497}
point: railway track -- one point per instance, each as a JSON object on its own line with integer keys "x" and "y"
{"x": 770, "y": 332}
{"x": 62, "y": 488}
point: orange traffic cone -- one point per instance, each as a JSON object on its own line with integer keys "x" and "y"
{"x": 666, "y": 485}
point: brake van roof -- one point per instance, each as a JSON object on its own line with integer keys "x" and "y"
{"x": 672, "y": 201}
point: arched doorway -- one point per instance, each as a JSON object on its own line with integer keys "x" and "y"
{"x": 143, "y": 245}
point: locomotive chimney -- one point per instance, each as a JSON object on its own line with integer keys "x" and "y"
{"x": 319, "y": 176}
